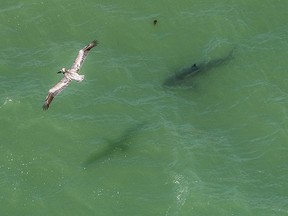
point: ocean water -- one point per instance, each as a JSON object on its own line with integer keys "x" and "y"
{"x": 121, "y": 142}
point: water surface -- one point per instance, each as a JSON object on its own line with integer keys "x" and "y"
{"x": 217, "y": 146}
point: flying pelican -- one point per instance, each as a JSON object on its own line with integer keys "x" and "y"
{"x": 69, "y": 74}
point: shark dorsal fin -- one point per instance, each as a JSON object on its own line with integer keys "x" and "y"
{"x": 194, "y": 66}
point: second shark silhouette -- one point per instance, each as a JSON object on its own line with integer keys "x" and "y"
{"x": 121, "y": 144}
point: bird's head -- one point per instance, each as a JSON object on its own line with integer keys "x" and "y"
{"x": 63, "y": 70}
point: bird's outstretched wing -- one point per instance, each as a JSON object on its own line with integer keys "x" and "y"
{"x": 62, "y": 84}
{"x": 82, "y": 54}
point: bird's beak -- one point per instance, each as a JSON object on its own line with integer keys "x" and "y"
{"x": 59, "y": 72}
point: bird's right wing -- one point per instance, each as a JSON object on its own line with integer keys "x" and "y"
{"x": 82, "y": 54}
{"x": 62, "y": 84}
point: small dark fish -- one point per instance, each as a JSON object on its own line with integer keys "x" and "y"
{"x": 155, "y": 22}
{"x": 181, "y": 77}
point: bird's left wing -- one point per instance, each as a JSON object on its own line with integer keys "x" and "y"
{"x": 55, "y": 90}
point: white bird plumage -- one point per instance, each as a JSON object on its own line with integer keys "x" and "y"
{"x": 69, "y": 74}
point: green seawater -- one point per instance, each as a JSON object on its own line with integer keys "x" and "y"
{"x": 121, "y": 143}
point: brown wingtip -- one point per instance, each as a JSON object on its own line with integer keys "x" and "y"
{"x": 91, "y": 45}
{"x": 95, "y": 43}
{"x": 48, "y": 100}
{"x": 45, "y": 106}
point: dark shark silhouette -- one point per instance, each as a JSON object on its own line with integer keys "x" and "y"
{"x": 181, "y": 77}
{"x": 121, "y": 144}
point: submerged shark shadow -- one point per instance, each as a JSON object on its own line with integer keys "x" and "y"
{"x": 121, "y": 144}
{"x": 181, "y": 77}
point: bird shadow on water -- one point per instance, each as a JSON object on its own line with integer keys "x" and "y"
{"x": 121, "y": 144}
